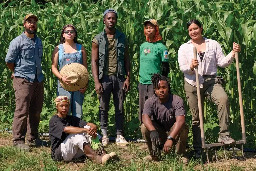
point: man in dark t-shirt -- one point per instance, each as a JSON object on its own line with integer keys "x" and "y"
{"x": 164, "y": 120}
{"x": 71, "y": 137}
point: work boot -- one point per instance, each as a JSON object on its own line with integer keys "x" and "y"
{"x": 150, "y": 158}
{"x": 21, "y": 145}
{"x": 197, "y": 153}
{"x": 107, "y": 157}
{"x": 91, "y": 154}
{"x": 37, "y": 143}
{"x": 226, "y": 139}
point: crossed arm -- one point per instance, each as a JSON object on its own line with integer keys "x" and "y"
{"x": 77, "y": 130}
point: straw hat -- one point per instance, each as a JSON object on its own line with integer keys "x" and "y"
{"x": 77, "y": 74}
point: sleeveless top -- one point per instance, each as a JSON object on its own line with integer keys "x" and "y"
{"x": 67, "y": 58}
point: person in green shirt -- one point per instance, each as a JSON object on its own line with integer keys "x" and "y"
{"x": 153, "y": 60}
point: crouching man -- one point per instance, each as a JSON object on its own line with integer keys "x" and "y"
{"x": 69, "y": 137}
{"x": 163, "y": 120}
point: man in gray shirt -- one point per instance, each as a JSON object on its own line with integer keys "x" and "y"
{"x": 164, "y": 120}
{"x": 24, "y": 60}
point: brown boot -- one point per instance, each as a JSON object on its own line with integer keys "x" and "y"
{"x": 91, "y": 154}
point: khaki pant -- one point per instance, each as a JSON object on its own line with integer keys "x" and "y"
{"x": 213, "y": 90}
{"x": 73, "y": 146}
{"x": 181, "y": 139}
{"x": 29, "y": 102}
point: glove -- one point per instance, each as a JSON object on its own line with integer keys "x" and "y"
{"x": 154, "y": 136}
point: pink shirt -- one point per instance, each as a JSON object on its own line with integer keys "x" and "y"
{"x": 213, "y": 57}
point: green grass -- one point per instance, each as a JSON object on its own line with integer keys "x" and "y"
{"x": 129, "y": 158}
{"x": 13, "y": 159}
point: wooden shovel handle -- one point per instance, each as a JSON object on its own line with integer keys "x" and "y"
{"x": 199, "y": 102}
{"x": 240, "y": 98}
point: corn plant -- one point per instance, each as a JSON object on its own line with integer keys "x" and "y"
{"x": 224, "y": 21}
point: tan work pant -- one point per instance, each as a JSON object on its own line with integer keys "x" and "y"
{"x": 213, "y": 90}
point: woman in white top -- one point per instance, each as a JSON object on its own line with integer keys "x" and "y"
{"x": 209, "y": 57}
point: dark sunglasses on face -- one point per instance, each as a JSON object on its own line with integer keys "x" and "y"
{"x": 31, "y": 22}
{"x": 69, "y": 31}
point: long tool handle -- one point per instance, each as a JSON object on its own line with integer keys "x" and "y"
{"x": 201, "y": 118}
{"x": 240, "y": 98}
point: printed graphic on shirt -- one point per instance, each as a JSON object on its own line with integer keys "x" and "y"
{"x": 166, "y": 54}
{"x": 146, "y": 51}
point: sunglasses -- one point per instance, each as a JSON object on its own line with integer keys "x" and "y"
{"x": 31, "y": 22}
{"x": 69, "y": 31}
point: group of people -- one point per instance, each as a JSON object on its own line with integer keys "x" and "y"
{"x": 161, "y": 114}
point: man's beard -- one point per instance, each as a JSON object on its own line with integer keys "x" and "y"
{"x": 31, "y": 31}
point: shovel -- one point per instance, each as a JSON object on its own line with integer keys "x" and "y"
{"x": 199, "y": 102}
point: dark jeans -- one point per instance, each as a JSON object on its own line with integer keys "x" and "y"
{"x": 112, "y": 84}
{"x": 145, "y": 91}
{"x": 29, "y": 102}
{"x": 181, "y": 139}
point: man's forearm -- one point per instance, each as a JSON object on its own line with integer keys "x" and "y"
{"x": 177, "y": 127}
{"x": 95, "y": 72}
{"x": 74, "y": 130}
{"x": 147, "y": 122}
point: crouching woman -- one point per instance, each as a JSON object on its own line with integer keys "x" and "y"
{"x": 71, "y": 137}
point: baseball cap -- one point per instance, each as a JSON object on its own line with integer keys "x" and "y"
{"x": 30, "y": 16}
{"x": 152, "y": 21}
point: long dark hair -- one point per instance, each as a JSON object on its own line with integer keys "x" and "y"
{"x": 158, "y": 77}
{"x": 195, "y": 21}
{"x": 62, "y": 39}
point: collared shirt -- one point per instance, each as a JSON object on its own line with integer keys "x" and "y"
{"x": 26, "y": 54}
{"x": 213, "y": 57}
{"x": 164, "y": 113}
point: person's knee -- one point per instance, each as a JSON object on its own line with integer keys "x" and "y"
{"x": 79, "y": 140}
{"x": 184, "y": 132}
{"x": 223, "y": 100}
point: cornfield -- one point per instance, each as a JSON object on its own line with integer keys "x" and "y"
{"x": 224, "y": 21}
